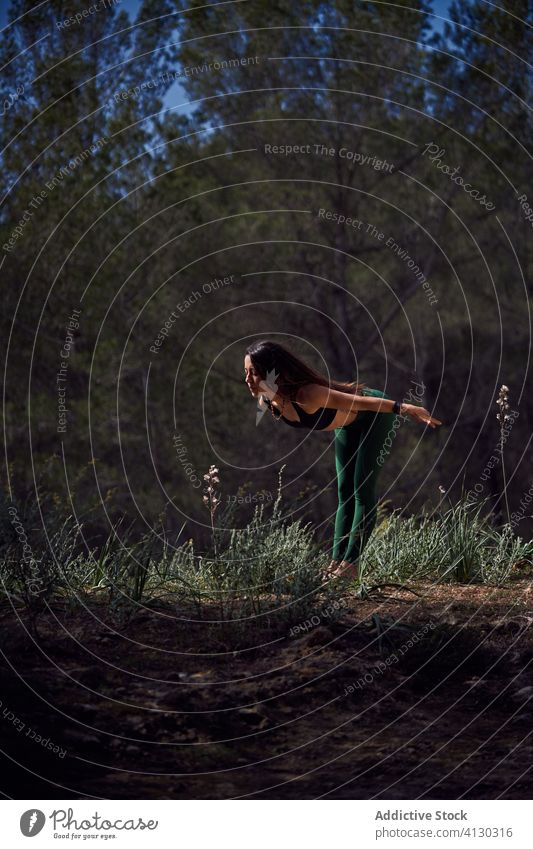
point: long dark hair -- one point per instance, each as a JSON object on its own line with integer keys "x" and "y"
{"x": 287, "y": 372}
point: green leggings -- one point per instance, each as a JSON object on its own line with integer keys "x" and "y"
{"x": 360, "y": 451}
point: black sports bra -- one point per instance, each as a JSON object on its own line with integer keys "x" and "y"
{"x": 318, "y": 420}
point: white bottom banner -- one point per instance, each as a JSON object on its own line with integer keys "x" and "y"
{"x": 270, "y": 823}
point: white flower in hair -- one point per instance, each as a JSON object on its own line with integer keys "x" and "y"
{"x": 271, "y": 389}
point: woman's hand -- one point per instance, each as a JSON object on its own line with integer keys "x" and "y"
{"x": 420, "y": 414}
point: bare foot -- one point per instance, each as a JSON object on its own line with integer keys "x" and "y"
{"x": 331, "y": 568}
{"x": 347, "y": 570}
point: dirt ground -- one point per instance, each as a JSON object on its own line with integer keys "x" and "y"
{"x": 438, "y": 706}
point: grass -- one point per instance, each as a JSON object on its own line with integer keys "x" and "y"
{"x": 456, "y": 544}
{"x": 265, "y": 573}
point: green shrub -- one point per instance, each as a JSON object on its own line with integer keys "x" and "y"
{"x": 455, "y": 544}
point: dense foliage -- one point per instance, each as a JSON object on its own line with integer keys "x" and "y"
{"x": 214, "y": 150}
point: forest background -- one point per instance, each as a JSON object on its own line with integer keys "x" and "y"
{"x": 118, "y": 205}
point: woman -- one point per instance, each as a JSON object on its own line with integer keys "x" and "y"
{"x": 302, "y": 397}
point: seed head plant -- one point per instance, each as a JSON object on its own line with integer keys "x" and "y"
{"x": 211, "y": 498}
{"x": 503, "y": 417}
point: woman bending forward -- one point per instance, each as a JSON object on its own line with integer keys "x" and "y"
{"x": 362, "y": 419}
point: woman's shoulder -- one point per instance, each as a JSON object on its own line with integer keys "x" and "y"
{"x": 311, "y": 394}
{"x": 317, "y": 395}
{"x": 303, "y": 394}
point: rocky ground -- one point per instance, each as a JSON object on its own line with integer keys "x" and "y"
{"x": 399, "y": 696}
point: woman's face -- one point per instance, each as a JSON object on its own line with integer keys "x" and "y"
{"x": 252, "y": 377}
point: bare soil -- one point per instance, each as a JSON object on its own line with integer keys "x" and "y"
{"x": 162, "y": 708}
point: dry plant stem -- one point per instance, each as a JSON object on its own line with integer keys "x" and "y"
{"x": 503, "y": 417}
{"x": 212, "y": 500}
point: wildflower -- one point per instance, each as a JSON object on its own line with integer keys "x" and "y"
{"x": 441, "y": 489}
{"x": 503, "y": 416}
{"x": 502, "y": 402}
{"x": 211, "y": 498}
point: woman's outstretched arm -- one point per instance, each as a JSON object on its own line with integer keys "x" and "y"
{"x": 322, "y": 396}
